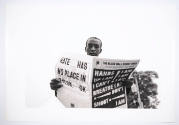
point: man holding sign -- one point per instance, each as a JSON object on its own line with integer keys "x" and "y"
{"x": 94, "y": 48}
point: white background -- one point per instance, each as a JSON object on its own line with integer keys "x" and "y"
{"x": 36, "y": 33}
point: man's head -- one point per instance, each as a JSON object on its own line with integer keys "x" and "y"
{"x": 93, "y": 46}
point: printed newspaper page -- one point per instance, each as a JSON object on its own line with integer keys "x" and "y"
{"x": 108, "y": 76}
{"x": 93, "y": 82}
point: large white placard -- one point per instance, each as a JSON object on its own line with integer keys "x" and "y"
{"x": 92, "y": 81}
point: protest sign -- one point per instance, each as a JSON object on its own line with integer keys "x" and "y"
{"x": 92, "y": 81}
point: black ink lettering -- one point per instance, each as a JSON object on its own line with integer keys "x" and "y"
{"x": 65, "y": 61}
{"x": 82, "y": 65}
{"x": 82, "y": 88}
{"x": 83, "y": 78}
{"x": 60, "y": 71}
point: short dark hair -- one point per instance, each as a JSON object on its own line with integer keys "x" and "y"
{"x": 93, "y": 38}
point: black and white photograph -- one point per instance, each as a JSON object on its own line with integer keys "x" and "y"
{"x": 89, "y": 61}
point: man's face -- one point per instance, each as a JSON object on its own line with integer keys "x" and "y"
{"x": 93, "y": 47}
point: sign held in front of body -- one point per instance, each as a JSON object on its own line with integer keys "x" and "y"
{"x": 92, "y": 82}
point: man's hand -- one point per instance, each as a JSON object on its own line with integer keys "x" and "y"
{"x": 127, "y": 83}
{"x": 54, "y": 85}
